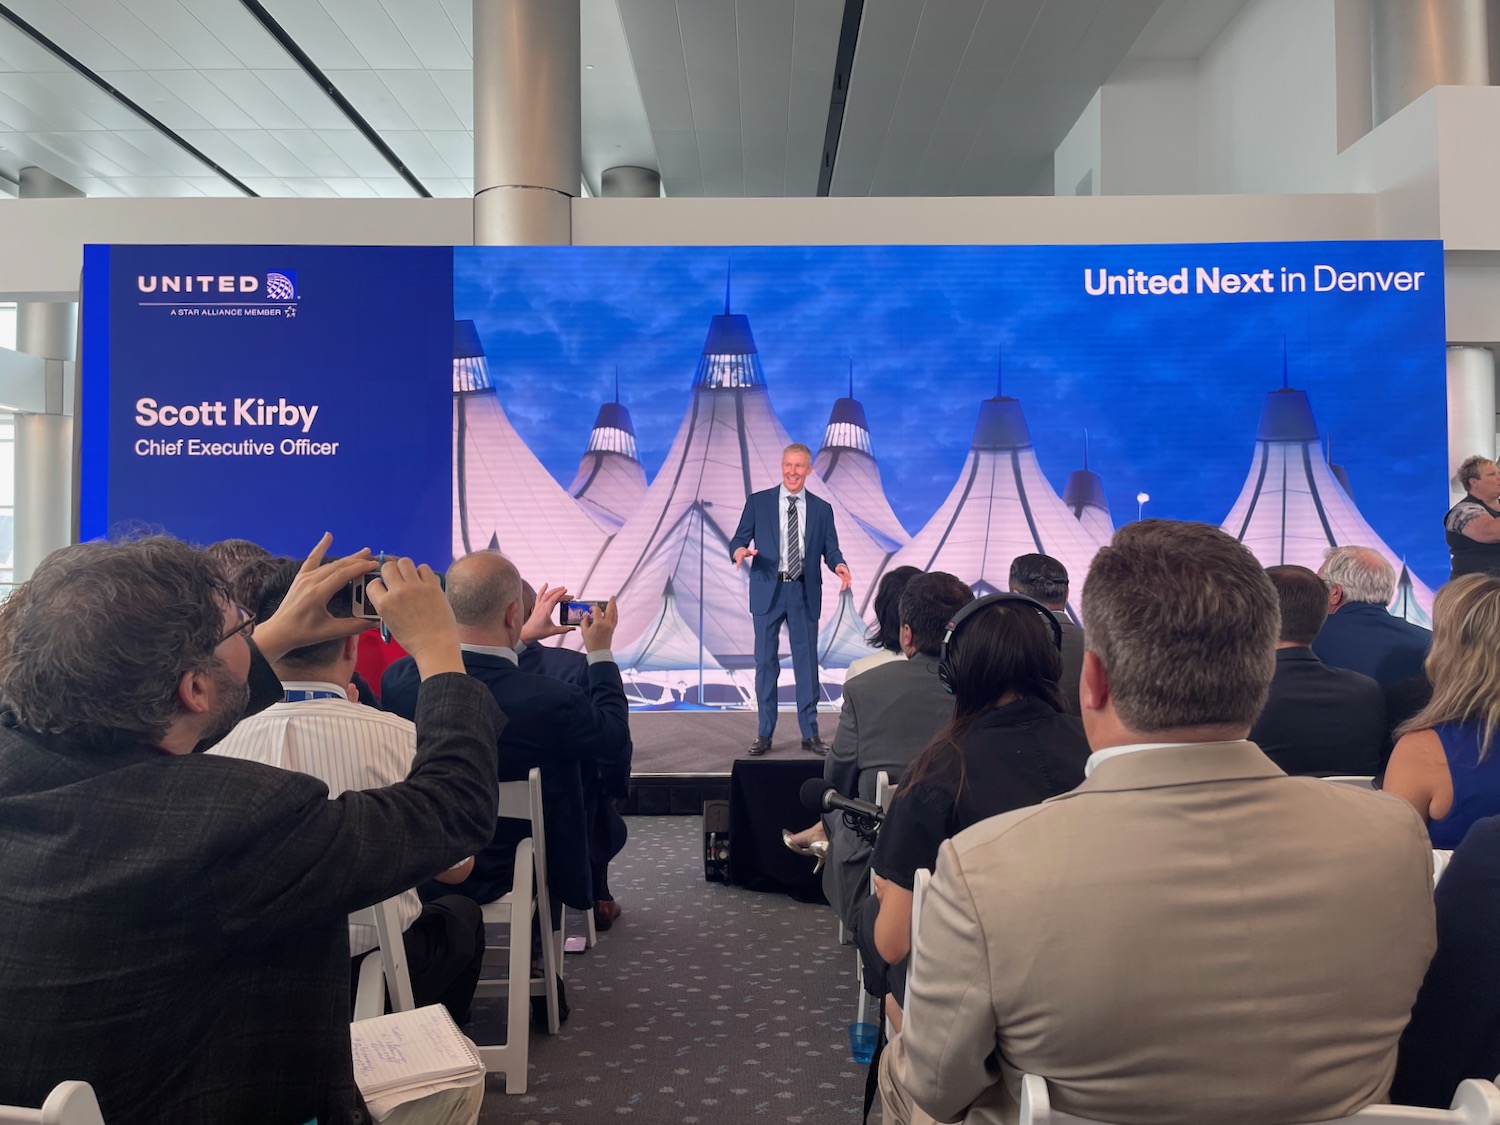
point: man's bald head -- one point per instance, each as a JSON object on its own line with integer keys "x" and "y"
{"x": 481, "y": 587}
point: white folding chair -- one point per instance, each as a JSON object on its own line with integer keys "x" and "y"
{"x": 918, "y": 896}
{"x": 70, "y": 1103}
{"x": 386, "y": 968}
{"x": 1476, "y": 1102}
{"x": 590, "y": 934}
{"x": 528, "y": 898}
{"x": 883, "y": 790}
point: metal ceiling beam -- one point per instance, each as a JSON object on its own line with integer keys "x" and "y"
{"x": 843, "y": 67}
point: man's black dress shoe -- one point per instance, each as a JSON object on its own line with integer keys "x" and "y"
{"x": 759, "y": 746}
{"x": 815, "y": 745}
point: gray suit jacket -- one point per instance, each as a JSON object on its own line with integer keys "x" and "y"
{"x": 1189, "y": 936}
{"x": 890, "y": 713}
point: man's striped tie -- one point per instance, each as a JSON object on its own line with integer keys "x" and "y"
{"x": 793, "y": 540}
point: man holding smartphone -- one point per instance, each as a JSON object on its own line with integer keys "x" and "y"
{"x": 792, "y": 531}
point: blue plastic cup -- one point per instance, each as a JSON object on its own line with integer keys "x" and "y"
{"x": 862, "y": 1038}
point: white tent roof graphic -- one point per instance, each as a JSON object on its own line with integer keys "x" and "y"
{"x": 1001, "y": 506}
{"x": 842, "y": 640}
{"x": 847, "y": 464}
{"x": 729, "y": 444}
{"x": 669, "y": 643}
{"x": 610, "y": 481}
{"x": 1292, "y": 509}
{"x": 503, "y": 498}
{"x": 1084, "y": 495}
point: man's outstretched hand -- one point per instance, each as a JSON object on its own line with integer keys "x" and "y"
{"x": 845, "y": 578}
{"x": 742, "y": 554}
{"x": 303, "y": 616}
{"x": 598, "y": 630}
{"x": 411, "y": 602}
{"x": 543, "y": 620}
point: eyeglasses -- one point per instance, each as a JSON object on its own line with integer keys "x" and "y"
{"x": 246, "y": 625}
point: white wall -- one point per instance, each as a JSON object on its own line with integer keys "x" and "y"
{"x": 1268, "y": 101}
{"x": 1079, "y": 154}
{"x": 1149, "y": 130}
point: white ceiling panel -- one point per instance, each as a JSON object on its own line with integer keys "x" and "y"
{"x": 216, "y": 145}
{"x": 451, "y": 189}
{"x": 18, "y": 117}
{"x": 82, "y": 155}
{"x": 372, "y": 31}
{"x": 311, "y": 189}
{"x": 615, "y": 127}
{"x": 417, "y": 153}
{"x": 55, "y": 111}
{"x": 121, "y": 152}
{"x": 312, "y": 150}
{"x": 355, "y": 151}
{"x": 245, "y": 39}
{"x": 301, "y": 95}
{"x": 19, "y": 53}
{"x": 125, "y": 32}
{"x": 271, "y": 154}
{"x": 390, "y": 187}
{"x": 147, "y": 92}
{"x": 81, "y": 94}
{"x": 167, "y": 187}
{"x": 217, "y": 108}
{"x": 457, "y": 150}
{"x": 63, "y": 26}
{"x": 457, "y": 87}
{"x": 429, "y": 32}
{"x": 420, "y": 97}
{"x": 171, "y": 157}
{"x": 173, "y": 21}
{"x": 248, "y": 90}
{"x": 461, "y": 16}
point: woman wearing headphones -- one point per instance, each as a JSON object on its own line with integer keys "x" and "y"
{"x": 1008, "y": 745}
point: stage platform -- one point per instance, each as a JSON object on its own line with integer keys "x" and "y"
{"x": 683, "y": 758}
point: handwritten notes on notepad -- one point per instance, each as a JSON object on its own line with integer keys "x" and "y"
{"x": 407, "y": 1050}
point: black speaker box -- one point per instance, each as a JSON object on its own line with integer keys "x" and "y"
{"x": 716, "y": 841}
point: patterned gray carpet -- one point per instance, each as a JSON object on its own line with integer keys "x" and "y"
{"x": 704, "y": 1004}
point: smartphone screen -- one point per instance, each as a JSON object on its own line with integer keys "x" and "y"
{"x": 571, "y": 613}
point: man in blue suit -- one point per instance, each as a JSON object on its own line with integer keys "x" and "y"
{"x": 792, "y": 531}
{"x": 1359, "y": 634}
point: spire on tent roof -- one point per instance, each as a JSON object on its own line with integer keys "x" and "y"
{"x": 728, "y": 278}
{"x": 851, "y": 376}
{"x": 1085, "y": 450}
{"x": 1284, "y": 382}
{"x": 617, "y": 384}
{"x": 1000, "y": 372}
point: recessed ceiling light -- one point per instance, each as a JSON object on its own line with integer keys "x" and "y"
{"x": 588, "y": 66}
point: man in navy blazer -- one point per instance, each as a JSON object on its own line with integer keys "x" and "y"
{"x": 792, "y": 531}
{"x": 553, "y": 725}
{"x": 1359, "y": 634}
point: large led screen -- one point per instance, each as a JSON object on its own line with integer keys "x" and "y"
{"x": 601, "y": 414}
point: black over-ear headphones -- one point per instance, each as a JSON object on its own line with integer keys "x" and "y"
{"x": 945, "y": 667}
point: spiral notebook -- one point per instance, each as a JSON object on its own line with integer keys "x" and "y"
{"x": 405, "y": 1050}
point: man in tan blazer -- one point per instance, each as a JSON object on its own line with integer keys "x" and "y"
{"x": 1190, "y": 936}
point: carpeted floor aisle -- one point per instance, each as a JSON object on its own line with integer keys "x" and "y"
{"x": 704, "y": 1004}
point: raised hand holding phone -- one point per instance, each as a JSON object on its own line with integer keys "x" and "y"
{"x": 598, "y": 627}
{"x": 412, "y": 604}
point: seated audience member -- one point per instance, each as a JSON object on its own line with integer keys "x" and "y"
{"x": 1472, "y": 526}
{"x": 1044, "y": 578}
{"x": 886, "y": 638}
{"x": 604, "y": 783}
{"x": 176, "y": 923}
{"x": 1008, "y": 745}
{"x": 1402, "y": 701}
{"x": 1317, "y": 720}
{"x": 889, "y": 714}
{"x": 1443, "y": 763}
{"x": 550, "y": 724}
{"x": 1190, "y": 935}
{"x": 1454, "y": 1031}
{"x": 245, "y": 565}
{"x": 316, "y": 729}
{"x": 1360, "y": 634}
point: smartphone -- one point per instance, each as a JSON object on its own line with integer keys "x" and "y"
{"x": 359, "y": 599}
{"x": 571, "y": 613}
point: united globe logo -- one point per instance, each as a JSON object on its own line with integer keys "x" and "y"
{"x": 281, "y": 285}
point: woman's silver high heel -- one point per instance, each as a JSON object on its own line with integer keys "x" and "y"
{"x": 818, "y": 849}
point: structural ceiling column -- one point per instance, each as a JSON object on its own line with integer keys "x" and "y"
{"x": 527, "y": 123}
{"x": 1418, "y": 44}
{"x": 44, "y": 465}
{"x": 1471, "y": 408}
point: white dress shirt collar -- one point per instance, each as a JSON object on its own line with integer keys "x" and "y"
{"x": 316, "y": 685}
